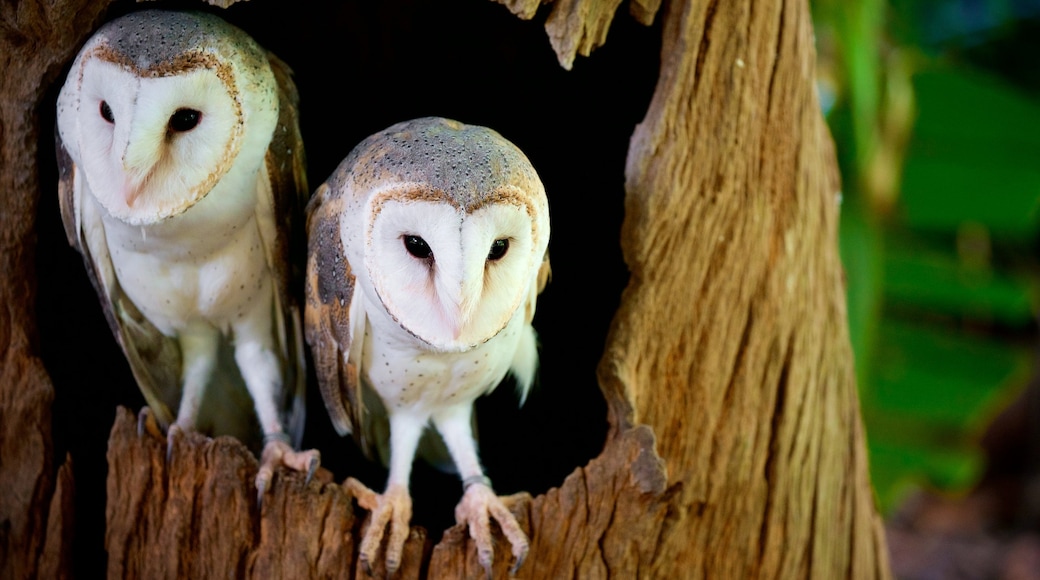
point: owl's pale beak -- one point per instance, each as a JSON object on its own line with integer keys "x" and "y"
{"x": 458, "y": 316}
{"x": 139, "y": 158}
{"x": 465, "y": 302}
{"x": 131, "y": 191}
{"x": 135, "y": 175}
{"x": 465, "y": 313}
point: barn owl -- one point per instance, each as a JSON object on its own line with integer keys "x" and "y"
{"x": 181, "y": 181}
{"x": 427, "y": 251}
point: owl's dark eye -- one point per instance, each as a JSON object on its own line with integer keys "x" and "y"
{"x": 417, "y": 247}
{"x": 184, "y": 120}
{"x": 106, "y": 112}
{"x": 498, "y": 249}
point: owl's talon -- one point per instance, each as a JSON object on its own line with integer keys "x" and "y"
{"x": 313, "y": 467}
{"x": 277, "y": 452}
{"x": 261, "y": 488}
{"x": 393, "y": 507}
{"x": 478, "y": 505}
{"x": 142, "y": 420}
{"x": 365, "y": 565}
{"x": 171, "y": 439}
{"x": 516, "y": 566}
{"x": 147, "y": 424}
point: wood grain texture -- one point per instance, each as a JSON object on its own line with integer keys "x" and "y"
{"x": 36, "y": 39}
{"x": 731, "y": 341}
{"x": 197, "y": 515}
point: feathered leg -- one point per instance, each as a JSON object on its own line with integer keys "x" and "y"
{"x": 255, "y": 356}
{"x": 198, "y": 344}
{"x": 393, "y": 506}
{"x": 479, "y": 502}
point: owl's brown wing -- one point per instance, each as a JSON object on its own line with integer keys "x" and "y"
{"x": 154, "y": 358}
{"x": 334, "y": 322}
{"x": 281, "y": 215}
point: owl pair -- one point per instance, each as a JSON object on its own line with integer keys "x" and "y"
{"x": 183, "y": 185}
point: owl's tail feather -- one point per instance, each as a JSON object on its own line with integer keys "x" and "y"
{"x": 525, "y": 362}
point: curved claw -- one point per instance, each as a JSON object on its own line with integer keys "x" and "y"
{"x": 278, "y": 452}
{"x": 313, "y": 467}
{"x": 171, "y": 439}
{"x": 261, "y": 488}
{"x": 519, "y": 561}
{"x": 142, "y": 419}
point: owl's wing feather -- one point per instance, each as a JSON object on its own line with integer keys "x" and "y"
{"x": 280, "y": 213}
{"x": 334, "y": 322}
{"x": 67, "y": 193}
{"x": 154, "y": 358}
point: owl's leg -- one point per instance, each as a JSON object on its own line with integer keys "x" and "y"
{"x": 393, "y": 506}
{"x": 198, "y": 344}
{"x": 256, "y": 359}
{"x": 479, "y": 502}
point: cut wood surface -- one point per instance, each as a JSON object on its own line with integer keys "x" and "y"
{"x": 735, "y": 450}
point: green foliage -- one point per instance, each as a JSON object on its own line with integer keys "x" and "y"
{"x": 942, "y": 283}
{"x": 974, "y": 157}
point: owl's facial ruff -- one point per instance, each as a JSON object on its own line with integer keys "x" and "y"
{"x": 152, "y": 145}
{"x": 477, "y": 272}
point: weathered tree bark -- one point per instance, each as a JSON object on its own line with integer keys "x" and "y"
{"x": 748, "y": 380}
{"x": 36, "y": 39}
{"x": 736, "y": 448}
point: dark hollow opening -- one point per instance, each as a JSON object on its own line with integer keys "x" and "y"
{"x": 360, "y": 67}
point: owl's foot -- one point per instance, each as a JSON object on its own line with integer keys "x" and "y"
{"x": 278, "y": 452}
{"x": 173, "y": 433}
{"x": 478, "y": 505}
{"x": 146, "y": 423}
{"x": 394, "y": 506}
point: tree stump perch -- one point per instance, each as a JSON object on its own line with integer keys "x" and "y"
{"x": 735, "y": 447}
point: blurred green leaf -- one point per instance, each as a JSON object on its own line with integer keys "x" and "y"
{"x": 941, "y": 278}
{"x": 924, "y": 279}
{"x": 898, "y": 467}
{"x": 861, "y": 254}
{"x": 931, "y": 393}
{"x": 952, "y": 379}
{"x": 974, "y": 156}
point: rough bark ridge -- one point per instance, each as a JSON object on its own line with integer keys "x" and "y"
{"x": 728, "y": 374}
{"x": 36, "y": 39}
{"x": 749, "y": 384}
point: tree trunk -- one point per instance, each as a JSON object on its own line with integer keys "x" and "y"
{"x": 735, "y": 447}
{"x": 36, "y": 39}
